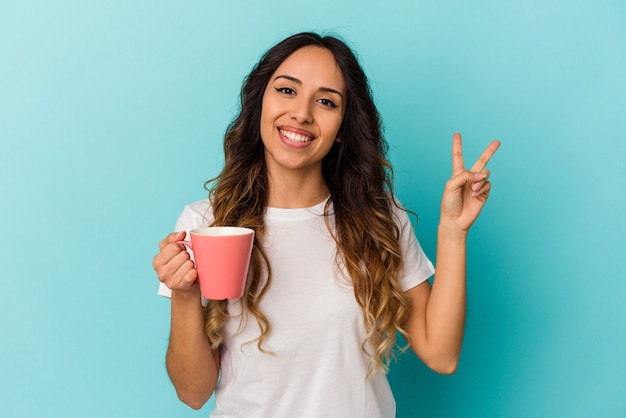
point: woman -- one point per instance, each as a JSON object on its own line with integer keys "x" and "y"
{"x": 336, "y": 269}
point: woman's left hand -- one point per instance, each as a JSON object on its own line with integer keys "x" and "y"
{"x": 467, "y": 191}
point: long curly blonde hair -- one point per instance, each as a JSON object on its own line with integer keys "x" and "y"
{"x": 359, "y": 179}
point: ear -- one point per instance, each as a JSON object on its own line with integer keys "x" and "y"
{"x": 338, "y": 139}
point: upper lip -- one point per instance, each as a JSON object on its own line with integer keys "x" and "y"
{"x": 295, "y": 130}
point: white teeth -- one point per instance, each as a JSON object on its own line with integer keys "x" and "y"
{"x": 292, "y": 136}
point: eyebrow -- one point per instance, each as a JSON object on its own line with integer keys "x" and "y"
{"x": 295, "y": 80}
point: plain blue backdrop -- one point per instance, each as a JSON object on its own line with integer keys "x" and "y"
{"x": 111, "y": 119}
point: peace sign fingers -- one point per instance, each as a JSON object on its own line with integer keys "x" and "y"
{"x": 466, "y": 191}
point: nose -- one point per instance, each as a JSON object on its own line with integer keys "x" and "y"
{"x": 301, "y": 111}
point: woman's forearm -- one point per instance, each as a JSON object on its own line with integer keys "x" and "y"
{"x": 445, "y": 312}
{"x": 191, "y": 365}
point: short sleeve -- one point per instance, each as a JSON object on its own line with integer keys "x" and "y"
{"x": 194, "y": 215}
{"x": 417, "y": 268}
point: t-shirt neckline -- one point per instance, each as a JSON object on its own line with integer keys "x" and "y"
{"x": 297, "y": 213}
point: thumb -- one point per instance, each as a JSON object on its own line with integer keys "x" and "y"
{"x": 170, "y": 238}
{"x": 176, "y": 236}
{"x": 463, "y": 178}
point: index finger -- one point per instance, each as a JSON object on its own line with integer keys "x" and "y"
{"x": 485, "y": 156}
{"x": 457, "y": 154}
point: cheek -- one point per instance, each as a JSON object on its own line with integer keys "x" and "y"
{"x": 266, "y": 119}
{"x": 334, "y": 124}
{"x": 266, "y": 128}
{"x": 270, "y": 110}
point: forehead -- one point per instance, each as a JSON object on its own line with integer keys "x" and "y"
{"x": 313, "y": 65}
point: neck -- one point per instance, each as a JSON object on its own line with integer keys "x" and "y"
{"x": 296, "y": 190}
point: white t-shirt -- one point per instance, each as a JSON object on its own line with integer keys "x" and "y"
{"x": 318, "y": 368}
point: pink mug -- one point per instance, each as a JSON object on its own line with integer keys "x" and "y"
{"x": 222, "y": 256}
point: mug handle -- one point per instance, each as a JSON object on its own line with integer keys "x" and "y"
{"x": 185, "y": 243}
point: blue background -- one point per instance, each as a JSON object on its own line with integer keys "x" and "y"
{"x": 111, "y": 118}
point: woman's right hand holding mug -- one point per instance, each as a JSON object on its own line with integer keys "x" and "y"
{"x": 173, "y": 265}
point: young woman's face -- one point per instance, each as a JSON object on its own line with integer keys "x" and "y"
{"x": 303, "y": 107}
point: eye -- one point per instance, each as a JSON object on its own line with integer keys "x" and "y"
{"x": 327, "y": 103}
{"x": 285, "y": 90}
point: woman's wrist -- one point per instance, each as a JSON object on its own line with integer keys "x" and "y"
{"x": 448, "y": 229}
{"x": 191, "y": 295}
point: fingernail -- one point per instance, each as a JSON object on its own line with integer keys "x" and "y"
{"x": 480, "y": 175}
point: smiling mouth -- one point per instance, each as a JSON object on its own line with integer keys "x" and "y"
{"x": 294, "y": 137}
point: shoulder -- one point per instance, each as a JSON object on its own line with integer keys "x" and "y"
{"x": 199, "y": 207}
{"x": 195, "y": 215}
{"x": 400, "y": 214}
